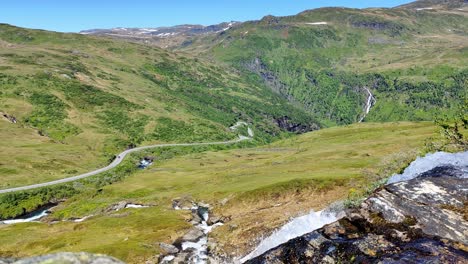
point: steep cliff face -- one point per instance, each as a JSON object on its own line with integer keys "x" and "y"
{"x": 423, "y": 220}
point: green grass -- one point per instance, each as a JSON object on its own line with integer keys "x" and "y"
{"x": 79, "y": 100}
{"x": 316, "y": 163}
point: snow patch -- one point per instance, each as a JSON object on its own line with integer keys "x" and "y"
{"x": 425, "y": 8}
{"x": 317, "y": 23}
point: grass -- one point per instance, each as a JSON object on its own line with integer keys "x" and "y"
{"x": 324, "y": 69}
{"x": 79, "y": 100}
{"x": 300, "y": 173}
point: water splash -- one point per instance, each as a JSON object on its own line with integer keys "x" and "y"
{"x": 295, "y": 228}
{"x": 431, "y": 161}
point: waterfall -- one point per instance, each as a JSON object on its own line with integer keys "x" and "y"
{"x": 431, "y": 161}
{"x": 296, "y": 227}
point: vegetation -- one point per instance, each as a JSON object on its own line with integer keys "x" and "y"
{"x": 84, "y": 99}
{"x": 325, "y": 69}
{"x": 324, "y": 164}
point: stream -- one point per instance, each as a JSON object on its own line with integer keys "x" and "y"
{"x": 31, "y": 217}
{"x": 315, "y": 220}
{"x": 194, "y": 246}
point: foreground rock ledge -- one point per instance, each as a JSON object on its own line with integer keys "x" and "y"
{"x": 424, "y": 220}
{"x": 65, "y": 258}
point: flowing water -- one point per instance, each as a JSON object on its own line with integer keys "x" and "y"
{"x": 296, "y": 227}
{"x": 34, "y": 217}
{"x": 431, "y": 161}
{"x": 315, "y": 220}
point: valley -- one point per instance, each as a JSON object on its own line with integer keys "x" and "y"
{"x": 263, "y": 141}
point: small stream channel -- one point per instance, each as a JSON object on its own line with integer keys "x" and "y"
{"x": 34, "y": 216}
{"x": 193, "y": 246}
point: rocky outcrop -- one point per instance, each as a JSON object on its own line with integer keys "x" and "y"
{"x": 423, "y": 220}
{"x": 289, "y": 125}
{"x": 75, "y": 258}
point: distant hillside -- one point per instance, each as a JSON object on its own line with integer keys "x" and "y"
{"x": 165, "y": 37}
{"x": 69, "y": 102}
{"x": 437, "y": 4}
{"x": 327, "y": 60}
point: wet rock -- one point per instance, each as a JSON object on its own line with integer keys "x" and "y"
{"x": 75, "y": 258}
{"x": 184, "y": 203}
{"x": 193, "y": 235}
{"x": 418, "y": 221}
{"x": 168, "y": 248}
{"x": 196, "y": 219}
{"x": 181, "y": 258}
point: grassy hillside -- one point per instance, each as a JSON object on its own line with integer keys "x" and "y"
{"x": 69, "y": 102}
{"x": 413, "y": 61}
{"x": 271, "y": 183}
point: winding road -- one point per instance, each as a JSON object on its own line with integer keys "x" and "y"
{"x": 120, "y": 157}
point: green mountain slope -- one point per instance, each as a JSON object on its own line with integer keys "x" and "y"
{"x": 413, "y": 61}
{"x": 70, "y": 102}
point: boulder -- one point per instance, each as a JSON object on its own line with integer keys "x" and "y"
{"x": 185, "y": 203}
{"x": 193, "y": 235}
{"x": 423, "y": 220}
{"x": 168, "y": 248}
{"x": 118, "y": 206}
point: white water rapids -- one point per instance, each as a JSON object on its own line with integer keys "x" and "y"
{"x": 35, "y": 217}
{"x": 295, "y": 228}
{"x": 429, "y": 162}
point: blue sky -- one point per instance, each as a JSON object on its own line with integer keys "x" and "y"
{"x": 76, "y": 15}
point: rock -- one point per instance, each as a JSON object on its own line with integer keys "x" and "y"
{"x": 214, "y": 220}
{"x": 181, "y": 258}
{"x": 196, "y": 219}
{"x": 72, "y": 258}
{"x": 287, "y": 124}
{"x": 116, "y": 207}
{"x": 193, "y": 235}
{"x": 168, "y": 248}
{"x": 185, "y": 203}
{"x": 422, "y": 220}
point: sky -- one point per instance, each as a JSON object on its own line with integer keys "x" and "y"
{"x": 76, "y": 15}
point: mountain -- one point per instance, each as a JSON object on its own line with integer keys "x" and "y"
{"x": 335, "y": 100}
{"x": 459, "y": 5}
{"x": 328, "y": 60}
{"x": 165, "y": 37}
{"x": 70, "y": 102}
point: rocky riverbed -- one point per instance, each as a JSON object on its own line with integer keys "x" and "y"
{"x": 193, "y": 246}
{"x": 421, "y": 220}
